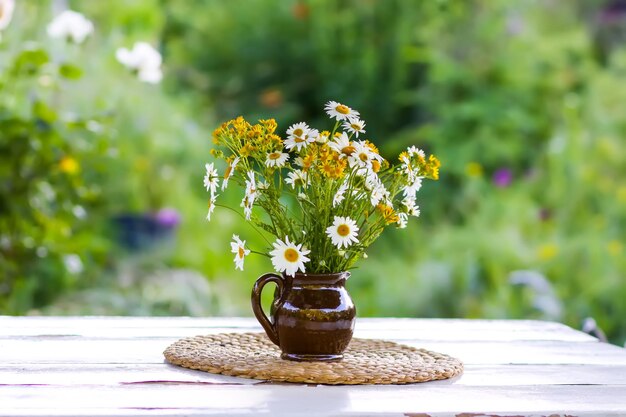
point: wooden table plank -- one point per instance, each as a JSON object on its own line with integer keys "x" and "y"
{"x": 281, "y": 400}
{"x": 475, "y": 375}
{"x": 101, "y": 351}
{"x": 406, "y": 329}
{"x": 114, "y": 367}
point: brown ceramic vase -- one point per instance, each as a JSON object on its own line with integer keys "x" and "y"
{"x": 312, "y": 316}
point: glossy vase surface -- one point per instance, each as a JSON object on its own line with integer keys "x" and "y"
{"x": 312, "y": 316}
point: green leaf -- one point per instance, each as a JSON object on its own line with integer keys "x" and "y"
{"x": 43, "y": 112}
{"x": 70, "y": 71}
{"x": 29, "y": 61}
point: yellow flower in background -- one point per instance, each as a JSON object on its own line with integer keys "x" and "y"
{"x": 547, "y": 251}
{"x": 69, "y": 165}
{"x": 615, "y": 247}
{"x": 474, "y": 169}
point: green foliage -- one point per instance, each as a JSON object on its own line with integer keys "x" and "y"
{"x": 49, "y": 160}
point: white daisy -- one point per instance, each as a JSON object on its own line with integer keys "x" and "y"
{"x": 238, "y": 247}
{"x": 339, "y": 111}
{"x": 211, "y": 178}
{"x": 339, "y": 195}
{"x": 323, "y": 137}
{"x": 355, "y": 126}
{"x": 70, "y": 25}
{"x": 230, "y": 171}
{"x": 250, "y": 196}
{"x": 298, "y": 136}
{"x": 413, "y": 150}
{"x": 211, "y": 206}
{"x": 297, "y": 178}
{"x": 298, "y": 130}
{"x": 403, "y": 220}
{"x": 363, "y": 155}
{"x": 410, "y": 190}
{"x": 412, "y": 209}
{"x": 343, "y": 232}
{"x": 276, "y": 159}
{"x": 288, "y": 257}
{"x": 377, "y": 189}
{"x": 342, "y": 145}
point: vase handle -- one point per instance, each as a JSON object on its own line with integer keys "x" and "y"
{"x": 268, "y": 326}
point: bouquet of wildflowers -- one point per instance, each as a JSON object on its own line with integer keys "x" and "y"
{"x": 322, "y": 196}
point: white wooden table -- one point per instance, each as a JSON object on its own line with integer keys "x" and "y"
{"x": 73, "y": 366}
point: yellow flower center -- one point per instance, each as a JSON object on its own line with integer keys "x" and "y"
{"x": 299, "y": 139}
{"x": 343, "y": 230}
{"x": 298, "y": 132}
{"x": 348, "y": 150}
{"x": 343, "y": 109}
{"x": 291, "y": 255}
{"x": 355, "y": 127}
{"x": 275, "y": 155}
{"x": 363, "y": 157}
{"x": 241, "y": 252}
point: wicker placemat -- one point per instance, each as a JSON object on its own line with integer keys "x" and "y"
{"x": 366, "y": 361}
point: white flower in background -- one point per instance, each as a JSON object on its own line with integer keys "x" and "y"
{"x": 339, "y": 195}
{"x": 73, "y": 264}
{"x": 276, "y": 159}
{"x": 144, "y": 59}
{"x": 288, "y": 257}
{"x": 342, "y": 145}
{"x": 298, "y": 136}
{"x": 238, "y": 247}
{"x": 70, "y": 25}
{"x": 339, "y": 111}
{"x": 262, "y": 185}
{"x": 403, "y": 220}
{"x": 297, "y": 178}
{"x": 211, "y": 206}
{"x": 355, "y": 126}
{"x": 211, "y": 178}
{"x": 6, "y": 12}
{"x": 230, "y": 170}
{"x": 343, "y": 232}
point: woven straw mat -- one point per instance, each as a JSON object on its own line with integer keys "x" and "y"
{"x": 366, "y": 361}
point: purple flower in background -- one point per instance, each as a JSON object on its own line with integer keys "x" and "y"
{"x": 167, "y": 217}
{"x": 502, "y": 177}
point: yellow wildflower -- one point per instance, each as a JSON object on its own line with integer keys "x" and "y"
{"x": 270, "y": 125}
{"x": 547, "y": 252}
{"x": 474, "y": 169}
{"x": 388, "y": 213}
{"x": 69, "y": 165}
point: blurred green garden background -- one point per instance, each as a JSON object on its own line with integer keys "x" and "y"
{"x": 102, "y": 209}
